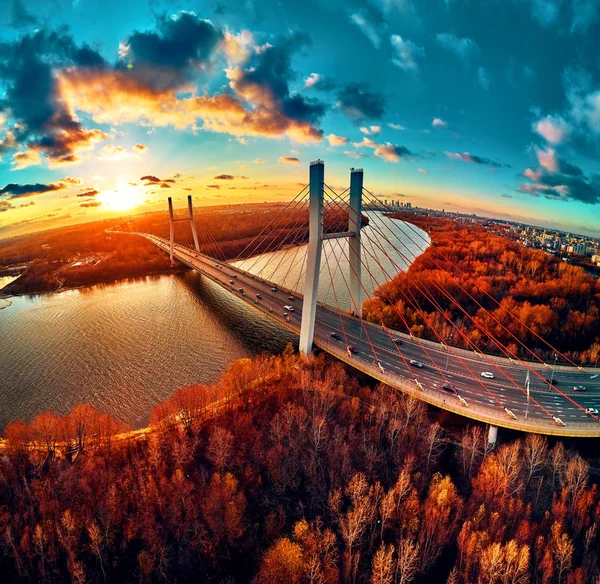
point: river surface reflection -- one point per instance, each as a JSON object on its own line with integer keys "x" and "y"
{"x": 127, "y": 346}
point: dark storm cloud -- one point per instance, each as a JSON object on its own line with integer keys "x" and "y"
{"x": 272, "y": 70}
{"x": 32, "y": 98}
{"x": 170, "y": 56}
{"x": 16, "y": 191}
{"x": 20, "y": 17}
{"x": 358, "y": 102}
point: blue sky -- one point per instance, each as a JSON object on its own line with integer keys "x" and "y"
{"x": 487, "y": 106}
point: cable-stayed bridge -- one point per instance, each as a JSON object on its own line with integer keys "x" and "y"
{"x": 503, "y": 391}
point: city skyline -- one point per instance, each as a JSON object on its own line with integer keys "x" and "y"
{"x": 101, "y": 115}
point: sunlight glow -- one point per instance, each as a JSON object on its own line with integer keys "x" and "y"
{"x": 122, "y": 198}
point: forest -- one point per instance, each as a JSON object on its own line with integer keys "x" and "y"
{"x": 292, "y": 470}
{"x": 475, "y": 289}
{"x": 87, "y": 254}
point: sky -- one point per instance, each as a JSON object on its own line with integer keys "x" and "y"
{"x": 484, "y": 106}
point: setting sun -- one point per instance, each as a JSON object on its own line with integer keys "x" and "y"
{"x": 122, "y": 198}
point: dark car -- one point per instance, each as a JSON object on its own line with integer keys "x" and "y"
{"x": 273, "y": 289}
{"x": 335, "y": 336}
{"x": 259, "y": 296}
{"x": 397, "y": 341}
{"x": 448, "y": 387}
{"x": 241, "y": 291}
{"x": 351, "y": 349}
{"x": 551, "y": 381}
{"x": 291, "y": 298}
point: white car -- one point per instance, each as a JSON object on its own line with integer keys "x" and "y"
{"x": 416, "y": 363}
{"x": 487, "y": 374}
{"x": 289, "y": 308}
{"x": 591, "y": 411}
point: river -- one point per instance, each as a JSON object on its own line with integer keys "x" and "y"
{"x": 127, "y": 346}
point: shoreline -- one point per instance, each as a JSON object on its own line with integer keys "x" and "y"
{"x": 170, "y": 272}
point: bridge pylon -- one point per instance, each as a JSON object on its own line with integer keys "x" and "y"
{"x": 189, "y": 218}
{"x": 315, "y": 247}
{"x": 354, "y": 219}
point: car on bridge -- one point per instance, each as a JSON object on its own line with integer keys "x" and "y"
{"x": 233, "y": 276}
{"x": 231, "y": 282}
{"x": 351, "y": 349}
{"x": 291, "y": 298}
{"x": 487, "y": 374}
{"x": 288, "y": 308}
{"x": 448, "y": 387}
{"x": 397, "y": 341}
{"x": 335, "y": 336}
{"x": 579, "y": 388}
{"x": 241, "y": 291}
{"x": 416, "y": 363}
{"x": 259, "y": 297}
{"x": 591, "y": 411}
{"x": 273, "y": 289}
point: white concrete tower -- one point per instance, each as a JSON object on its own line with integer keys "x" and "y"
{"x": 354, "y": 218}
{"x": 192, "y": 224}
{"x": 171, "y": 229}
{"x": 313, "y": 266}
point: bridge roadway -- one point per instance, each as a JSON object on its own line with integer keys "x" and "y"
{"x": 480, "y": 396}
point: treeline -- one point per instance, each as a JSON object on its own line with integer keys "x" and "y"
{"x": 475, "y": 288}
{"x": 87, "y": 254}
{"x": 288, "y": 470}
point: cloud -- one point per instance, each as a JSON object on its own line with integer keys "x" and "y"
{"x": 6, "y": 206}
{"x": 553, "y": 128}
{"x": 90, "y": 193}
{"x": 405, "y": 53}
{"x": 164, "y": 185}
{"x": 171, "y": 56}
{"x": 365, "y": 143}
{"x": 439, "y": 123}
{"x": 473, "y": 159}
{"x": 373, "y": 130}
{"x": 91, "y": 204}
{"x": 358, "y": 102}
{"x": 238, "y": 47}
{"x": 464, "y": 48}
{"x": 288, "y": 160}
{"x": 312, "y": 79}
{"x": 483, "y": 78}
{"x": 545, "y": 12}
{"x": 20, "y": 17}
{"x": 224, "y": 177}
{"x": 150, "y": 178}
{"x": 213, "y": 187}
{"x": 258, "y": 102}
{"x": 506, "y": 196}
{"x": 391, "y": 152}
{"x": 111, "y": 152}
{"x": 396, "y": 126}
{"x": 423, "y": 171}
{"x": 336, "y": 140}
{"x": 258, "y": 161}
{"x": 16, "y": 191}
{"x": 26, "y": 158}
{"x": 547, "y": 159}
{"x": 352, "y": 154}
{"x": 371, "y": 23}
{"x": 42, "y": 123}
{"x": 558, "y": 179}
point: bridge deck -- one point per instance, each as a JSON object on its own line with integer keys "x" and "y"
{"x": 475, "y": 392}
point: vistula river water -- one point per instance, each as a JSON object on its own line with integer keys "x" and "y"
{"x": 127, "y": 346}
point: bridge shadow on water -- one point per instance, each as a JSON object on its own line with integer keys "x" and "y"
{"x": 254, "y": 330}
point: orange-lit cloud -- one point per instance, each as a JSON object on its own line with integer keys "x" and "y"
{"x": 113, "y": 97}
{"x": 288, "y": 160}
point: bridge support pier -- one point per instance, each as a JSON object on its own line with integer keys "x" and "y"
{"x": 492, "y": 436}
{"x": 313, "y": 266}
{"x": 171, "y": 230}
{"x": 354, "y": 218}
{"x": 192, "y": 223}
